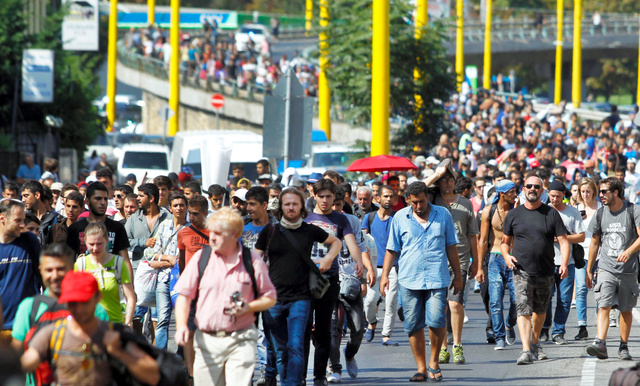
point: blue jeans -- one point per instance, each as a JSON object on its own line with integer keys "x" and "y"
{"x": 564, "y": 288}
{"x": 581, "y": 296}
{"x": 163, "y": 309}
{"x": 284, "y": 327}
{"x": 499, "y": 277}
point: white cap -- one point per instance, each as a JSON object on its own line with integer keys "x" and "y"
{"x": 432, "y": 161}
{"x": 632, "y": 161}
{"x": 241, "y": 194}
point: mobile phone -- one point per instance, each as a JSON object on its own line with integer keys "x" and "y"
{"x": 583, "y": 212}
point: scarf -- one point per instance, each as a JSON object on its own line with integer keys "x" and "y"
{"x": 291, "y": 225}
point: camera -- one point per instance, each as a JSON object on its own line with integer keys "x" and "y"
{"x": 235, "y": 299}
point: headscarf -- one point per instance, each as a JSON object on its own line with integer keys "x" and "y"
{"x": 503, "y": 186}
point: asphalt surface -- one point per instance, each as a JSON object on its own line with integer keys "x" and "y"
{"x": 567, "y": 364}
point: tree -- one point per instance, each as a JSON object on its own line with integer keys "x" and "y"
{"x": 618, "y": 77}
{"x": 75, "y": 84}
{"x": 349, "y": 74}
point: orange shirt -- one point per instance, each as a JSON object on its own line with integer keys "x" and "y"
{"x": 191, "y": 242}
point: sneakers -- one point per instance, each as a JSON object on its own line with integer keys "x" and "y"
{"x": 352, "y": 365}
{"x": 613, "y": 322}
{"x": 537, "y": 352}
{"x": 262, "y": 380}
{"x": 320, "y": 382}
{"x": 389, "y": 342}
{"x": 573, "y": 304}
{"x": 334, "y": 378}
{"x": 559, "y": 339}
{"x": 370, "y": 333}
{"x": 476, "y": 288}
{"x": 598, "y": 349}
{"x": 582, "y": 333}
{"x": 491, "y": 339}
{"x": 466, "y": 319}
{"x": 510, "y": 336}
{"x": 444, "y": 356}
{"x": 499, "y": 345}
{"x": 623, "y": 353}
{"x": 526, "y": 358}
{"x": 458, "y": 354}
{"x": 544, "y": 335}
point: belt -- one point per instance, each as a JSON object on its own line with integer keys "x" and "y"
{"x": 223, "y": 333}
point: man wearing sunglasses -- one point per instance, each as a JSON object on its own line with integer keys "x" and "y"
{"x": 527, "y": 247}
{"x": 615, "y": 242}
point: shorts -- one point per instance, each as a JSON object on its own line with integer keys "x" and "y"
{"x": 423, "y": 308}
{"x": 533, "y": 293}
{"x": 459, "y": 297}
{"x": 619, "y": 289}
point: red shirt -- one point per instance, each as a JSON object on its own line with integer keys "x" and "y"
{"x": 191, "y": 242}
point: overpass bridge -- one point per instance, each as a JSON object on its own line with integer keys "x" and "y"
{"x": 513, "y": 42}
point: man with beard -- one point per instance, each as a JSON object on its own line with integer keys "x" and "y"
{"x": 33, "y": 196}
{"x": 97, "y": 197}
{"x": 239, "y": 201}
{"x": 531, "y": 229}
{"x": 119, "y": 194}
{"x": 73, "y": 206}
{"x": 365, "y": 203}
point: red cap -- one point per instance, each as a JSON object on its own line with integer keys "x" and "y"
{"x": 184, "y": 177}
{"x": 78, "y": 287}
{"x": 82, "y": 184}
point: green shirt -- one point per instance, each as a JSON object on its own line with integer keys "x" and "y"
{"x": 21, "y": 325}
{"x": 108, "y": 284}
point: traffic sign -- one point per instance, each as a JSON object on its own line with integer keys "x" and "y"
{"x": 217, "y": 101}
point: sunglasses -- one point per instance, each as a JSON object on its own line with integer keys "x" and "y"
{"x": 604, "y": 191}
{"x": 532, "y": 186}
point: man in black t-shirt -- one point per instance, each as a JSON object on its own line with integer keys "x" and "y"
{"x": 117, "y": 240}
{"x": 285, "y": 323}
{"x": 532, "y": 228}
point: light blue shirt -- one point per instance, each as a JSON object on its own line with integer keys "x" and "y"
{"x": 422, "y": 263}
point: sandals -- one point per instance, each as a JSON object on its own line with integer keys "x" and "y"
{"x": 435, "y": 373}
{"x": 418, "y": 377}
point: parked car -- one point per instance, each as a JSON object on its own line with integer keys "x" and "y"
{"x": 256, "y": 32}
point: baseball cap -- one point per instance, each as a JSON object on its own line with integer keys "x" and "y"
{"x": 78, "y": 287}
{"x": 314, "y": 177}
{"x": 432, "y": 161}
{"x": 56, "y": 186}
{"x": 262, "y": 177}
{"x": 298, "y": 184}
{"x": 419, "y": 160}
{"x": 557, "y": 185}
{"x": 131, "y": 176}
{"x": 241, "y": 194}
{"x": 47, "y": 175}
{"x": 629, "y": 161}
{"x": 82, "y": 184}
{"x": 184, "y": 177}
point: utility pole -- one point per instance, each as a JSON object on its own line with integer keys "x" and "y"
{"x": 174, "y": 67}
{"x": 422, "y": 17}
{"x": 308, "y": 17}
{"x": 559, "y": 43}
{"x": 486, "y": 76}
{"x": 112, "y": 60}
{"x": 577, "y": 53}
{"x": 380, "y": 79}
{"x": 459, "y": 44}
{"x": 151, "y": 12}
{"x": 324, "y": 92}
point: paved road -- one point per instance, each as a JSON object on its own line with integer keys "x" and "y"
{"x": 567, "y": 365}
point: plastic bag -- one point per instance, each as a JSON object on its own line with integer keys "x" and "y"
{"x": 173, "y": 280}
{"x": 145, "y": 283}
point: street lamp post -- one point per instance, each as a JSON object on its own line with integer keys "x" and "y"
{"x": 380, "y": 79}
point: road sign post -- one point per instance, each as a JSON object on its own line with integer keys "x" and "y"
{"x": 217, "y": 101}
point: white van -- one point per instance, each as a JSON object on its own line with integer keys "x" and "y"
{"x": 246, "y": 149}
{"x": 329, "y": 156}
{"x": 142, "y": 158}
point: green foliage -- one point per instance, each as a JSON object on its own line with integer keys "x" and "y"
{"x": 349, "y": 74}
{"x": 618, "y": 76}
{"x": 75, "y": 84}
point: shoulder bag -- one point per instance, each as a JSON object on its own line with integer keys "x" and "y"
{"x": 318, "y": 282}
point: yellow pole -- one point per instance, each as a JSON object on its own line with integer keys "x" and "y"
{"x": 422, "y": 17}
{"x": 324, "y": 93}
{"x": 174, "y": 67}
{"x": 380, "y": 79}
{"x": 577, "y": 53}
{"x": 559, "y": 42}
{"x": 151, "y": 12}
{"x": 112, "y": 59}
{"x": 638, "y": 92}
{"x": 486, "y": 77}
{"x": 308, "y": 17}
{"x": 459, "y": 44}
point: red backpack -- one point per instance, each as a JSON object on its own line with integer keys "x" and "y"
{"x": 44, "y": 373}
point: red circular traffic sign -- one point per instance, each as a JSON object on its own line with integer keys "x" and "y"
{"x": 217, "y": 101}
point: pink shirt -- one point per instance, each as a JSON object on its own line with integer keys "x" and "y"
{"x": 216, "y": 287}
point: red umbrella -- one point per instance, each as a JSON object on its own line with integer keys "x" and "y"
{"x": 381, "y": 163}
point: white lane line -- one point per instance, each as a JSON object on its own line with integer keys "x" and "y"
{"x": 588, "y": 372}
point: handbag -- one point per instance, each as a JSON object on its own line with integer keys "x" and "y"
{"x": 318, "y": 282}
{"x": 350, "y": 287}
{"x": 578, "y": 255}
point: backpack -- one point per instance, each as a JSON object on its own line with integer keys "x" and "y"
{"x": 44, "y": 374}
{"x": 629, "y": 376}
{"x": 172, "y": 370}
{"x": 246, "y": 261}
{"x": 629, "y": 211}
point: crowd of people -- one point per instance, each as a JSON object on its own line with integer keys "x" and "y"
{"x": 216, "y": 57}
{"x": 92, "y": 272}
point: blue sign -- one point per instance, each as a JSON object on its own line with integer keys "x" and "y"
{"x": 225, "y": 20}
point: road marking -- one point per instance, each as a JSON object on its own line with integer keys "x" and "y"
{"x": 589, "y": 366}
{"x": 588, "y": 372}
